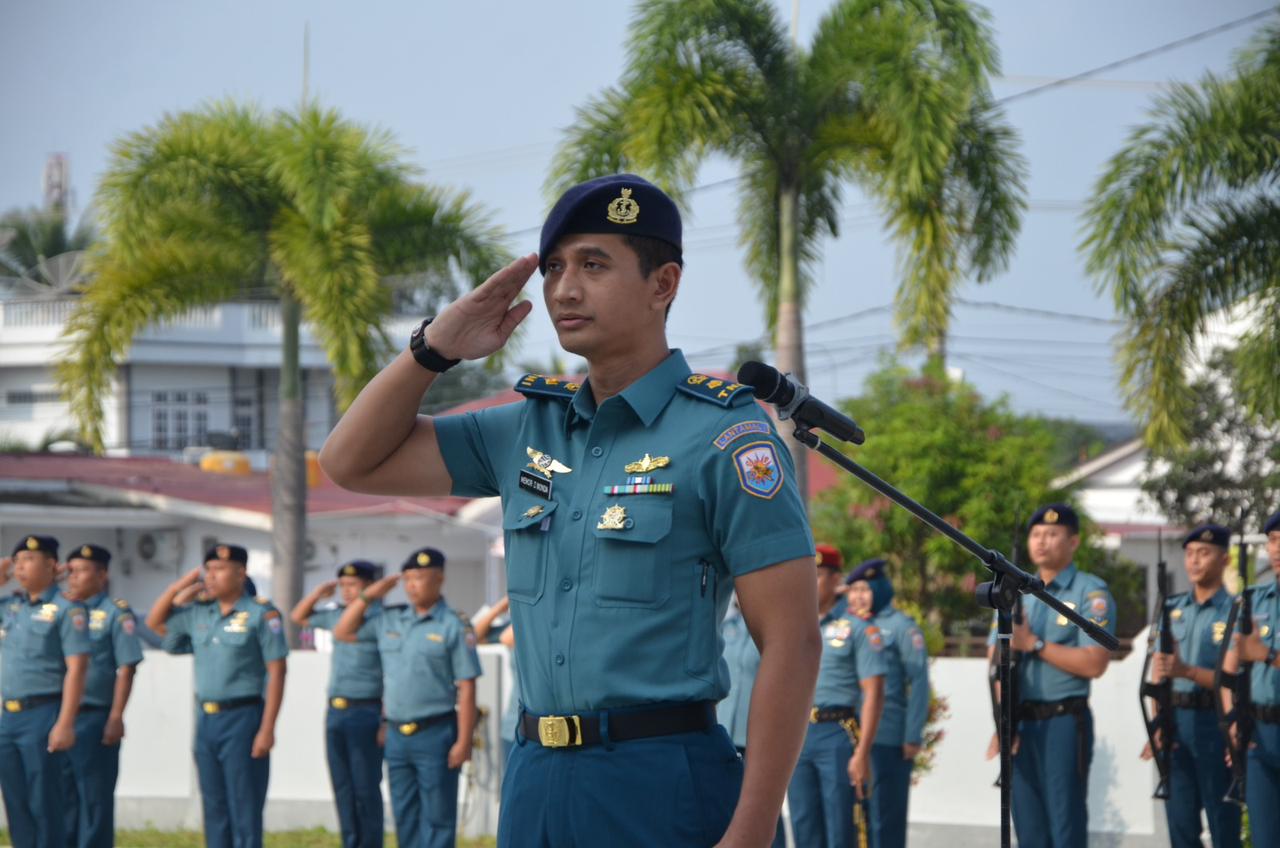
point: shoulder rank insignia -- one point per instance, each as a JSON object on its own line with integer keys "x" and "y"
{"x": 536, "y": 385}
{"x": 712, "y": 390}
{"x": 122, "y": 603}
{"x": 263, "y": 599}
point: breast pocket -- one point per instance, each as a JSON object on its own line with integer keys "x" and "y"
{"x": 38, "y": 636}
{"x": 527, "y": 546}
{"x": 633, "y": 563}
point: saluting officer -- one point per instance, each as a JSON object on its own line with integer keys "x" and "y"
{"x": 831, "y": 779}
{"x": 239, "y": 647}
{"x": 429, "y": 667}
{"x": 1054, "y": 744}
{"x": 94, "y": 762}
{"x": 906, "y": 700}
{"x": 1262, "y": 648}
{"x": 353, "y": 725}
{"x": 1199, "y": 774}
{"x": 632, "y": 504}
{"x": 44, "y": 659}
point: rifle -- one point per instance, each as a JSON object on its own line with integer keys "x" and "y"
{"x": 1240, "y": 684}
{"x": 1161, "y": 728}
{"x": 993, "y": 664}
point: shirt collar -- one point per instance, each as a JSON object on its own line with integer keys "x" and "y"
{"x": 1065, "y": 577}
{"x": 431, "y": 613}
{"x": 647, "y": 396}
{"x": 96, "y": 600}
{"x": 44, "y": 597}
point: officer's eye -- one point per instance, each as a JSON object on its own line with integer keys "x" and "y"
{"x": 553, "y": 265}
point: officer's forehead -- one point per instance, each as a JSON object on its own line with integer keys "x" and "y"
{"x": 1203, "y": 547}
{"x": 603, "y": 245}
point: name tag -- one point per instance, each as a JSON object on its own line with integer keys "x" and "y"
{"x": 535, "y": 485}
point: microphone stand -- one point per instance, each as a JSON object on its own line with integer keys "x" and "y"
{"x": 1000, "y": 594}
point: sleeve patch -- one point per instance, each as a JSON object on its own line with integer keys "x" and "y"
{"x": 712, "y": 390}
{"x": 759, "y": 472}
{"x": 738, "y": 430}
{"x": 536, "y": 385}
{"x": 127, "y": 625}
{"x": 275, "y": 624}
{"x": 874, "y": 637}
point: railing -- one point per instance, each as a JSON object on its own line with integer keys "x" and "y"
{"x": 35, "y": 313}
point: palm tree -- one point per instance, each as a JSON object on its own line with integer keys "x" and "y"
{"x": 228, "y": 203}
{"x": 40, "y": 254}
{"x": 890, "y": 95}
{"x": 1184, "y": 225}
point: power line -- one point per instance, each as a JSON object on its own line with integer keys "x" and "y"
{"x": 1028, "y": 310}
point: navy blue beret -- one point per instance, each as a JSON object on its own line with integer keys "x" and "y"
{"x": 93, "y": 553}
{"x": 622, "y": 204}
{"x": 869, "y": 570}
{"x": 1273, "y": 524}
{"x": 232, "y": 553}
{"x": 45, "y": 544}
{"x": 361, "y": 568}
{"x": 1057, "y": 514}
{"x": 423, "y": 558}
{"x": 1210, "y": 534}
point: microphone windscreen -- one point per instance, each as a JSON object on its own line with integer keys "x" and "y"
{"x": 763, "y": 379}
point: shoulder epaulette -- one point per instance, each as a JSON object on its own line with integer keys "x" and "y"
{"x": 463, "y": 617}
{"x": 536, "y": 385}
{"x": 263, "y": 600}
{"x": 712, "y": 390}
{"x": 121, "y": 602}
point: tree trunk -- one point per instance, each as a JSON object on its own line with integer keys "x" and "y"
{"x": 789, "y": 333}
{"x": 936, "y": 353}
{"x": 289, "y": 475}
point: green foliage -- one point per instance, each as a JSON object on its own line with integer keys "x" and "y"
{"x": 467, "y": 382}
{"x": 977, "y": 464}
{"x": 891, "y": 95}
{"x": 1073, "y": 443}
{"x": 1185, "y": 225}
{"x": 1228, "y": 469}
{"x": 227, "y": 202}
{"x": 29, "y": 236}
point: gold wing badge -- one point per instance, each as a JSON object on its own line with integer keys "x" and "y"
{"x": 545, "y": 465}
{"x": 647, "y": 464}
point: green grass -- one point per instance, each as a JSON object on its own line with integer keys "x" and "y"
{"x": 314, "y": 838}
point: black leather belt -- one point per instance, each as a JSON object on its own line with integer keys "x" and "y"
{"x": 215, "y": 707}
{"x": 1201, "y": 699}
{"x": 817, "y": 715}
{"x": 574, "y": 731}
{"x": 1043, "y": 710}
{"x": 417, "y": 725}
{"x": 17, "y": 705}
{"x": 340, "y": 703}
{"x": 1267, "y": 713}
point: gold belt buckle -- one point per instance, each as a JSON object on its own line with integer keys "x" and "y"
{"x": 13, "y": 706}
{"x": 211, "y": 708}
{"x": 338, "y": 703}
{"x": 408, "y": 728}
{"x": 553, "y": 731}
{"x": 813, "y": 715}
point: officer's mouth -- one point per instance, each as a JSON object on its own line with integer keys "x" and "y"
{"x": 571, "y": 321}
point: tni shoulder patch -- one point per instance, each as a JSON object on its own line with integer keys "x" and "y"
{"x": 714, "y": 391}
{"x": 536, "y": 385}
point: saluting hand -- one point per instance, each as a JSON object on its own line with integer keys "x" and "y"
{"x": 188, "y": 594}
{"x": 380, "y": 588}
{"x": 326, "y": 589}
{"x": 263, "y": 742}
{"x": 480, "y": 322}
{"x": 6, "y": 569}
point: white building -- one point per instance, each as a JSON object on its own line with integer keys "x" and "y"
{"x": 208, "y": 377}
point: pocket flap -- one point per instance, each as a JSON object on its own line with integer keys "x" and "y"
{"x": 644, "y": 519}
{"x": 522, "y": 511}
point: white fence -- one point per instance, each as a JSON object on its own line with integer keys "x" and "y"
{"x": 956, "y": 805}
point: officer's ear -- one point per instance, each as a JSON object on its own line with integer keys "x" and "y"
{"x": 1073, "y": 542}
{"x": 666, "y": 286}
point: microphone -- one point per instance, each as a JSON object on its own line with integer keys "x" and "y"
{"x": 794, "y": 401}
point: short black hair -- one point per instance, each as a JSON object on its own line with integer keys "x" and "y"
{"x": 653, "y": 253}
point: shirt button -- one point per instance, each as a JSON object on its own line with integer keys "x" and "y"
{"x": 576, "y": 515}
{"x": 597, "y": 451}
{"x": 566, "y": 584}
{"x": 559, "y": 659}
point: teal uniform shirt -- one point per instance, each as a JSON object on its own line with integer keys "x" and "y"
{"x": 1088, "y": 595}
{"x": 619, "y": 578}
{"x": 36, "y": 637}
{"x": 906, "y": 682}
{"x": 852, "y": 651}
{"x": 231, "y": 651}
{"x": 356, "y": 668}
{"x": 114, "y": 643}
{"x": 743, "y": 659}
{"x": 1199, "y": 630}
{"x": 1266, "y": 618}
{"x": 423, "y": 657}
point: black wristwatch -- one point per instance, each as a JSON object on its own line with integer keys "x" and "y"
{"x": 1037, "y": 648}
{"x": 1271, "y": 657}
{"x": 422, "y": 351}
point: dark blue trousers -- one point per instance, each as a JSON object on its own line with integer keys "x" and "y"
{"x": 819, "y": 796}
{"x": 90, "y": 784}
{"x": 1263, "y": 788}
{"x": 780, "y": 832}
{"x": 1051, "y": 784}
{"x": 890, "y": 790}
{"x": 31, "y": 778}
{"x": 676, "y": 791}
{"x": 424, "y": 790}
{"x": 1199, "y": 778}
{"x": 233, "y": 785}
{"x": 355, "y": 770}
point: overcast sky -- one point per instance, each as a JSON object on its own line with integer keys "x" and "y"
{"x": 479, "y": 92}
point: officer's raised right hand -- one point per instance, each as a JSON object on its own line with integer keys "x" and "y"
{"x": 480, "y": 322}
{"x": 380, "y": 588}
{"x": 6, "y": 569}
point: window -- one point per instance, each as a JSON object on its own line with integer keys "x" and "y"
{"x": 160, "y": 428}
{"x": 202, "y": 427}
{"x": 27, "y": 397}
{"x": 180, "y": 429}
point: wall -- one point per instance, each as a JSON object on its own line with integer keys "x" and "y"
{"x": 956, "y": 805}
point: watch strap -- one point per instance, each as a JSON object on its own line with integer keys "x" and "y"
{"x": 425, "y": 356}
